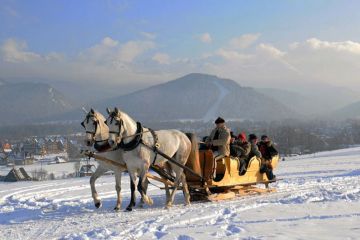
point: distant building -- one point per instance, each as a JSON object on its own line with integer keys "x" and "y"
{"x": 17, "y": 175}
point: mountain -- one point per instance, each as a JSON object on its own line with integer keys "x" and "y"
{"x": 199, "y": 97}
{"x": 319, "y": 101}
{"x": 30, "y": 102}
{"x": 349, "y": 111}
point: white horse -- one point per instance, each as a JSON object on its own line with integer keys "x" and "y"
{"x": 97, "y": 134}
{"x": 125, "y": 132}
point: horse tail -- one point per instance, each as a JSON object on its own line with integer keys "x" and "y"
{"x": 193, "y": 161}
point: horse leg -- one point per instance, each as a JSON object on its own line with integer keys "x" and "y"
{"x": 118, "y": 190}
{"x": 167, "y": 190}
{"x": 143, "y": 180}
{"x": 185, "y": 189}
{"x": 172, "y": 195}
{"x": 99, "y": 171}
{"x": 146, "y": 183}
{"x": 132, "y": 188}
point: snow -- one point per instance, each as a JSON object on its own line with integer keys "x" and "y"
{"x": 317, "y": 198}
{"x": 211, "y": 114}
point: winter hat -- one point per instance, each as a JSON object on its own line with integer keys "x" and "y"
{"x": 263, "y": 137}
{"x": 252, "y": 137}
{"x": 242, "y": 136}
{"x": 219, "y": 120}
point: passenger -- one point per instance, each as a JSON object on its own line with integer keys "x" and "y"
{"x": 253, "y": 140}
{"x": 268, "y": 151}
{"x": 241, "y": 149}
{"x": 267, "y": 148}
{"x": 233, "y": 138}
{"x": 219, "y": 139}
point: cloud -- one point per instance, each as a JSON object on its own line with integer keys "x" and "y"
{"x": 110, "y": 51}
{"x": 15, "y": 51}
{"x": 346, "y": 46}
{"x": 161, "y": 58}
{"x": 243, "y": 41}
{"x": 231, "y": 55}
{"x": 270, "y": 50}
{"x": 109, "y": 42}
{"x": 140, "y": 61}
{"x": 130, "y": 50}
{"x": 205, "y": 38}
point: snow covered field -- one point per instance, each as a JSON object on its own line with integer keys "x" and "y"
{"x": 318, "y": 198}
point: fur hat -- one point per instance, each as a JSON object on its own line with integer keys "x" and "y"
{"x": 219, "y": 120}
{"x": 252, "y": 137}
{"x": 263, "y": 137}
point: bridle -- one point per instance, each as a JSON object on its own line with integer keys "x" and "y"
{"x": 91, "y": 132}
{"x": 120, "y": 123}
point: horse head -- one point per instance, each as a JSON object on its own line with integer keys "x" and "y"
{"x": 116, "y": 126}
{"x": 95, "y": 127}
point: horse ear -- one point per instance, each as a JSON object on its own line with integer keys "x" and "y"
{"x": 116, "y": 110}
{"x": 92, "y": 111}
{"x": 108, "y": 110}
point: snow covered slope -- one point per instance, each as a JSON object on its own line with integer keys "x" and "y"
{"x": 318, "y": 198}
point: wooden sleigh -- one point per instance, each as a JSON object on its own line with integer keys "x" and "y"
{"x": 221, "y": 180}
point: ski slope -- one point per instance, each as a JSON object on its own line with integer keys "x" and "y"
{"x": 318, "y": 198}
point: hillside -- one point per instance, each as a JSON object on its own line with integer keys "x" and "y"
{"x": 317, "y": 198}
{"x": 349, "y": 111}
{"x": 26, "y": 102}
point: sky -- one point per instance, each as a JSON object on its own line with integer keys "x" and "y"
{"x": 282, "y": 44}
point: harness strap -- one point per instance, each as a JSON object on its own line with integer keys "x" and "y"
{"x": 156, "y": 144}
{"x": 133, "y": 143}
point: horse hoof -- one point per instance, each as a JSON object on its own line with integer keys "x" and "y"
{"x": 98, "y": 205}
{"x": 150, "y": 201}
{"x": 129, "y": 209}
{"x": 116, "y": 209}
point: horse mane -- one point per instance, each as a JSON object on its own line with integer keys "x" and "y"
{"x": 104, "y": 129}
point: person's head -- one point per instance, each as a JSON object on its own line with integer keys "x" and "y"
{"x": 220, "y": 122}
{"x": 232, "y": 137}
{"x": 242, "y": 137}
{"x": 265, "y": 138}
{"x": 253, "y": 138}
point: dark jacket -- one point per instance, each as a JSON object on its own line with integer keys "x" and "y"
{"x": 240, "y": 149}
{"x": 254, "y": 151}
{"x": 267, "y": 150}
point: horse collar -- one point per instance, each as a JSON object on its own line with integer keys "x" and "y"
{"x": 133, "y": 143}
{"x": 102, "y": 147}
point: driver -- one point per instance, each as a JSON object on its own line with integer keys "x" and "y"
{"x": 219, "y": 139}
